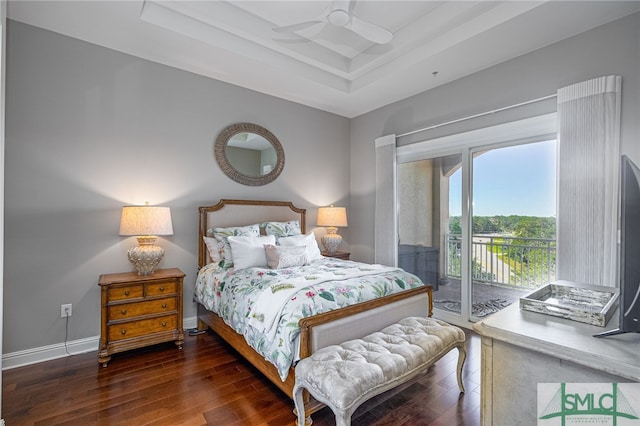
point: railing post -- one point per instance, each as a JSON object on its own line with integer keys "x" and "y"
{"x": 490, "y": 259}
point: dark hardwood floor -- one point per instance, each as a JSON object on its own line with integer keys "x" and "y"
{"x": 208, "y": 383}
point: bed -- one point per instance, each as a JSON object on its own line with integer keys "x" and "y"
{"x": 403, "y": 295}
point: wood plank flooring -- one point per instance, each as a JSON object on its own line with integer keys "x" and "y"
{"x": 209, "y": 383}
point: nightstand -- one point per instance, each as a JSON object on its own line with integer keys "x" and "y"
{"x": 140, "y": 310}
{"x": 344, "y": 255}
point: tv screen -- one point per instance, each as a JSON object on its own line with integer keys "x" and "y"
{"x": 629, "y": 249}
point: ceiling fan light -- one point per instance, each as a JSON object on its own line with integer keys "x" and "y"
{"x": 338, "y": 18}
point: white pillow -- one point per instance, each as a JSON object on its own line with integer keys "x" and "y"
{"x": 309, "y": 241}
{"x": 212, "y": 248}
{"x": 248, "y": 251}
{"x": 221, "y": 234}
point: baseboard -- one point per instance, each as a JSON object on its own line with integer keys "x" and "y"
{"x": 188, "y": 323}
{"x": 74, "y": 347}
{"x": 47, "y": 353}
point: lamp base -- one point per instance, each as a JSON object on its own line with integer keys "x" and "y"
{"x": 146, "y": 256}
{"x": 331, "y": 240}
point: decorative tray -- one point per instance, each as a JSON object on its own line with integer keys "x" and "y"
{"x": 585, "y": 303}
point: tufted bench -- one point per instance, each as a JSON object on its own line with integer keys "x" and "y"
{"x": 346, "y": 375}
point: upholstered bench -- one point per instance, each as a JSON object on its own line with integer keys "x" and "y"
{"x": 346, "y": 375}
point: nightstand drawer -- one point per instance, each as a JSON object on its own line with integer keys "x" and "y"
{"x": 138, "y": 328}
{"x": 157, "y": 289}
{"x": 128, "y": 292}
{"x": 136, "y": 309}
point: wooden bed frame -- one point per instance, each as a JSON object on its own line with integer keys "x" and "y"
{"x": 317, "y": 331}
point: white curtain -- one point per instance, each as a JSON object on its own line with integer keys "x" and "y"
{"x": 386, "y": 233}
{"x": 588, "y": 164}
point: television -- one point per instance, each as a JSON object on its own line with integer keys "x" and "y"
{"x": 629, "y": 262}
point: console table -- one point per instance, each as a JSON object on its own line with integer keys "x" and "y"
{"x": 521, "y": 349}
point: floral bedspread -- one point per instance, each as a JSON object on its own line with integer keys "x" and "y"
{"x": 233, "y": 293}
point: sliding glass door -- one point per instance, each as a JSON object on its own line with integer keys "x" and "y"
{"x": 476, "y": 216}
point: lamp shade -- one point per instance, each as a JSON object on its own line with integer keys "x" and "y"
{"x": 332, "y": 216}
{"x": 146, "y": 220}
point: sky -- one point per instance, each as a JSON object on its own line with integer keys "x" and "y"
{"x": 517, "y": 180}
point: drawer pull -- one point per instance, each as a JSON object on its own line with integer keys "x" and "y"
{"x": 126, "y": 292}
{"x": 123, "y": 331}
{"x": 164, "y": 324}
{"x": 164, "y": 306}
{"x": 123, "y": 312}
{"x": 161, "y": 288}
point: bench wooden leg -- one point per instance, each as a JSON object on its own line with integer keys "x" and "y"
{"x": 462, "y": 356}
{"x": 343, "y": 419}
{"x": 304, "y": 405}
{"x": 299, "y": 402}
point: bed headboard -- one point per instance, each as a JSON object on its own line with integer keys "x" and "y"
{"x": 241, "y": 213}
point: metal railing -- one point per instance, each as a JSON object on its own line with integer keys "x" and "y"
{"x": 524, "y": 263}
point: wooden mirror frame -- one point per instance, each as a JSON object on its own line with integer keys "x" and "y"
{"x": 221, "y": 157}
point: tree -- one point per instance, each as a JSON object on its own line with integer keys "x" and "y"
{"x": 535, "y": 227}
{"x": 454, "y": 226}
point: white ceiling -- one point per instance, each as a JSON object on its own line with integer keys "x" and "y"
{"x": 325, "y": 67}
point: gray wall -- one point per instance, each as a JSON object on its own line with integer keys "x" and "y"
{"x": 89, "y": 130}
{"x": 613, "y": 48}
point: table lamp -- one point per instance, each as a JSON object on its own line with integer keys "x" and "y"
{"x": 145, "y": 222}
{"x": 332, "y": 218}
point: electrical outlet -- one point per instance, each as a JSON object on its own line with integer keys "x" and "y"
{"x": 65, "y": 310}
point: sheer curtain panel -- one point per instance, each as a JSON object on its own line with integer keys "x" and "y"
{"x": 588, "y": 159}
{"x": 386, "y": 233}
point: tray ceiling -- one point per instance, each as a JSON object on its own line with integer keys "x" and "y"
{"x": 323, "y": 66}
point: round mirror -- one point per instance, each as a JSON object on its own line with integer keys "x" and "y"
{"x": 249, "y": 154}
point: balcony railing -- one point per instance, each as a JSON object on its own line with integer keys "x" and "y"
{"x": 524, "y": 263}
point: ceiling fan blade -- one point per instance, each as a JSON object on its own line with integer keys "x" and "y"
{"x": 296, "y": 27}
{"x": 370, "y": 31}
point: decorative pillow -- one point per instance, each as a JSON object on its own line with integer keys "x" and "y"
{"x": 248, "y": 252}
{"x": 285, "y": 256}
{"x": 308, "y": 240}
{"x": 224, "y": 250}
{"x": 212, "y": 248}
{"x": 282, "y": 229}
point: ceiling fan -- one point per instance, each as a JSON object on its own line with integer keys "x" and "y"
{"x": 339, "y": 15}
